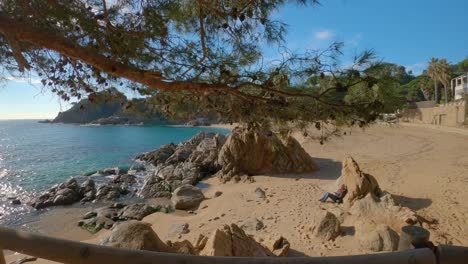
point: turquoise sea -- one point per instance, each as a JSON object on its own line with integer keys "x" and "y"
{"x": 34, "y": 156}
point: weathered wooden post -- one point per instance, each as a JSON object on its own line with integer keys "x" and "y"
{"x": 2, "y": 257}
{"x": 412, "y": 237}
{"x": 452, "y": 254}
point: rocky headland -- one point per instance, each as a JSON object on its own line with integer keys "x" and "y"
{"x": 111, "y": 107}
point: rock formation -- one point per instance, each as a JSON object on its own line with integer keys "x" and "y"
{"x": 107, "y": 216}
{"x": 383, "y": 210}
{"x": 376, "y": 237}
{"x": 71, "y": 191}
{"x": 254, "y": 151}
{"x": 186, "y": 163}
{"x": 135, "y": 235}
{"x": 232, "y": 241}
{"x": 358, "y": 183}
{"x": 187, "y": 197}
{"x": 325, "y": 226}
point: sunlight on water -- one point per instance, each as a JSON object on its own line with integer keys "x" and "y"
{"x": 34, "y": 156}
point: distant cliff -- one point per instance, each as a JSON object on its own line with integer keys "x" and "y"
{"x": 109, "y": 107}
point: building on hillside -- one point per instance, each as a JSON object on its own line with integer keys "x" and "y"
{"x": 459, "y": 86}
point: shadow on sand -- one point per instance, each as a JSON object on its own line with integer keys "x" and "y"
{"x": 328, "y": 170}
{"x": 296, "y": 253}
{"x": 412, "y": 203}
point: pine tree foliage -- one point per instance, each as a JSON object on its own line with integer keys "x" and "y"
{"x": 191, "y": 56}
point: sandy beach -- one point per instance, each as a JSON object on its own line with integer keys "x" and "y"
{"x": 424, "y": 168}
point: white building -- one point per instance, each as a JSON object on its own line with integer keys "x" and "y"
{"x": 459, "y": 86}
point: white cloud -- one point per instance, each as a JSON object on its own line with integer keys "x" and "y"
{"x": 324, "y": 35}
{"x": 22, "y": 80}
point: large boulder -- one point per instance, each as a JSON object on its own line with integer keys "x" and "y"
{"x": 135, "y": 235}
{"x": 255, "y": 151}
{"x": 186, "y": 197}
{"x": 383, "y": 210}
{"x": 232, "y": 241}
{"x": 376, "y": 237}
{"x": 325, "y": 225}
{"x": 358, "y": 183}
{"x": 136, "y": 211}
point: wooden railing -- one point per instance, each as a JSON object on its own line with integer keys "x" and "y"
{"x": 66, "y": 251}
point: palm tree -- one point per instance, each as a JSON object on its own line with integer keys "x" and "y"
{"x": 433, "y": 72}
{"x": 445, "y": 75}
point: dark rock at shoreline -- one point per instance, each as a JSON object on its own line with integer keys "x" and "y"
{"x": 136, "y": 211}
{"x": 159, "y": 155}
{"x": 110, "y": 192}
{"x": 107, "y": 216}
{"x": 118, "y": 120}
{"x": 47, "y": 121}
{"x": 186, "y": 163}
{"x": 125, "y": 179}
{"x": 65, "y": 193}
{"x": 198, "y": 122}
{"x": 71, "y": 192}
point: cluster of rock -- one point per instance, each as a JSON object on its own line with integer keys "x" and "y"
{"x": 230, "y": 240}
{"x": 245, "y": 152}
{"x": 71, "y": 191}
{"x": 107, "y": 216}
{"x": 177, "y": 165}
{"x": 374, "y": 213}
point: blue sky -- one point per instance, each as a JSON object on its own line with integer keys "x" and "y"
{"x": 406, "y": 32}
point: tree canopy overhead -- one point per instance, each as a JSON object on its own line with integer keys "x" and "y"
{"x": 191, "y": 54}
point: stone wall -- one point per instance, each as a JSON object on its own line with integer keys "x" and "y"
{"x": 452, "y": 114}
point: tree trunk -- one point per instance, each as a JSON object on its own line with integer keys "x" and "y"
{"x": 436, "y": 92}
{"x": 446, "y": 94}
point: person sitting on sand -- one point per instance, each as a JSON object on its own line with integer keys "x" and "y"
{"x": 337, "y": 196}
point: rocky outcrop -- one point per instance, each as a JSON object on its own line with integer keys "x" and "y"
{"x": 232, "y": 241}
{"x": 107, "y": 216}
{"x": 135, "y": 235}
{"x": 158, "y": 156}
{"x": 358, "y": 183}
{"x": 376, "y": 237}
{"x": 187, "y": 197}
{"x": 177, "y": 165}
{"x": 383, "y": 210}
{"x": 280, "y": 247}
{"x": 325, "y": 225}
{"x": 99, "y": 105}
{"x": 255, "y": 151}
{"x": 65, "y": 193}
{"x": 71, "y": 191}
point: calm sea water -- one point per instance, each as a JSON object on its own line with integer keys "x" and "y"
{"x": 35, "y": 156}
